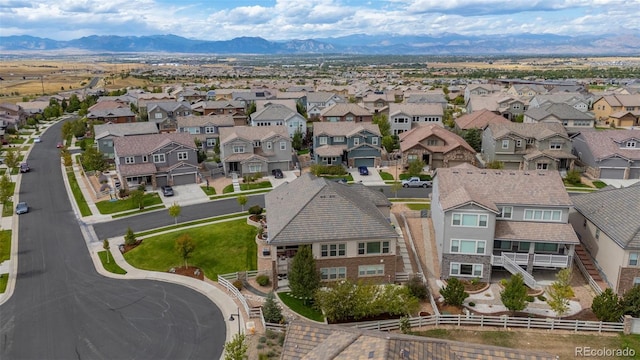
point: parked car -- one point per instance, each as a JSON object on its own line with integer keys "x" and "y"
{"x": 22, "y": 208}
{"x": 167, "y": 190}
{"x": 37, "y": 140}
{"x": 24, "y": 167}
{"x": 363, "y": 170}
{"x": 277, "y": 173}
{"x": 416, "y": 182}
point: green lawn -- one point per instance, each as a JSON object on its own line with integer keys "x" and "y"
{"x": 208, "y": 190}
{"x": 110, "y": 207}
{"x": 4, "y": 278}
{"x": 110, "y": 266}
{"x": 191, "y": 223}
{"x": 418, "y": 206}
{"x": 5, "y": 245}
{"x": 77, "y": 194}
{"x": 303, "y": 151}
{"x": 337, "y": 177}
{"x": 230, "y": 195}
{"x": 252, "y": 186}
{"x": 300, "y": 308}
{"x": 7, "y": 208}
{"x": 386, "y": 176}
{"x": 570, "y": 184}
{"x": 220, "y": 248}
{"x": 599, "y": 184}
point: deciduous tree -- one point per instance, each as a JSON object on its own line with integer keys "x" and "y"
{"x": 236, "y": 349}
{"x": 129, "y": 237}
{"x": 242, "y": 201}
{"x": 174, "y": 212}
{"x": 107, "y": 247}
{"x": 185, "y": 247}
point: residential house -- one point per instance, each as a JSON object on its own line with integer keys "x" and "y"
{"x": 378, "y": 102}
{"x": 403, "y": 117}
{"x": 436, "y": 146}
{"x": 347, "y": 226}
{"x": 312, "y": 340}
{"x": 156, "y": 160}
{"x": 526, "y": 91}
{"x": 574, "y": 99}
{"x": 528, "y": 146}
{"x": 278, "y": 114}
{"x": 427, "y": 98}
{"x": 30, "y": 108}
{"x": 318, "y": 101}
{"x": 608, "y": 226}
{"x": 143, "y": 98}
{"x": 609, "y": 154}
{"x": 481, "y": 90}
{"x": 346, "y": 112}
{"x": 572, "y": 119}
{"x": 12, "y": 115}
{"x": 237, "y": 109}
{"x": 610, "y": 104}
{"x": 290, "y": 103}
{"x": 255, "y": 149}
{"x": 105, "y": 133}
{"x": 507, "y": 106}
{"x": 515, "y": 219}
{"x": 164, "y": 114}
{"x": 350, "y": 143}
{"x": 191, "y": 96}
{"x": 625, "y": 119}
{"x": 206, "y": 128}
{"x": 251, "y": 96}
{"x": 478, "y": 120}
{"x": 115, "y": 111}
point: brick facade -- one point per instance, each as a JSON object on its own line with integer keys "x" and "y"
{"x": 352, "y": 264}
{"x": 447, "y": 259}
{"x": 625, "y": 280}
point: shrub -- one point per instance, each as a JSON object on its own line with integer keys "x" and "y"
{"x": 573, "y": 177}
{"x": 530, "y": 298}
{"x": 256, "y": 210}
{"x": 238, "y": 284}
{"x": 606, "y": 306}
{"x": 129, "y": 237}
{"x": 417, "y": 288}
{"x": 319, "y": 169}
{"x": 263, "y": 280}
{"x": 542, "y": 298}
{"x": 454, "y": 293}
{"x": 271, "y": 311}
{"x": 475, "y": 281}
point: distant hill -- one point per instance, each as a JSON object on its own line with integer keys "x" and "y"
{"x": 447, "y": 44}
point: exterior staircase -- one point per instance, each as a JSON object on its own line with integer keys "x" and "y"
{"x": 514, "y": 268}
{"x": 590, "y": 267}
{"x": 235, "y": 181}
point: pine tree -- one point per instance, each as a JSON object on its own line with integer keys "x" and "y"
{"x": 606, "y": 306}
{"x": 271, "y": 311}
{"x": 304, "y": 279}
{"x": 514, "y": 295}
{"x": 129, "y": 237}
{"x": 454, "y": 293}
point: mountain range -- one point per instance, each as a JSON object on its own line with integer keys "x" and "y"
{"x": 446, "y": 44}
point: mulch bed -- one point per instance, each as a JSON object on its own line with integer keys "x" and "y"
{"x": 124, "y": 247}
{"x": 190, "y": 271}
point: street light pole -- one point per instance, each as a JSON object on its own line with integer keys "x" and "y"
{"x": 232, "y": 319}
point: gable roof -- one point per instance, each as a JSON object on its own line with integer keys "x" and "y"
{"x": 560, "y": 110}
{"x": 479, "y": 119}
{"x": 313, "y": 341}
{"x": 416, "y": 109}
{"x": 615, "y": 212}
{"x": 604, "y": 144}
{"x": 204, "y": 120}
{"x": 124, "y": 129}
{"x": 324, "y": 210}
{"x": 413, "y": 137}
{"x": 146, "y": 144}
{"x": 274, "y": 112}
{"x": 344, "y": 128}
{"x": 341, "y": 109}
{"x": 491, "y": 187}
{"x": 251, "y": 133}
{"x": 539, "y": 131}
{"x": 167, "y": 105}
{"x": 319, "y": 96}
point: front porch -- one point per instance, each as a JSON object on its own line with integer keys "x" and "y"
{"x": 537, "y": 260}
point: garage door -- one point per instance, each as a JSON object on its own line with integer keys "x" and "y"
{"x": 634, "y": 173}
{"x": 611, "y": 173}
{"x": 365, "y": 162}
{"x": 184, "y": 179}
{"x": 161, "y": 181}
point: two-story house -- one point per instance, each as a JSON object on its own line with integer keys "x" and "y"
{"x": 318, "y": 101}
{"x": 281, "y": 115}
{"x": 572, "y": 119}
{"x": 478, "y": 120}
{"x": 255, "y": 149}
{"x": 347, "y": 226}
{"x": 156, "y": 160}
{"x": 378, "y": 102}
{"x": 608, "y": 226}
{"x": 610, "y": 104}
{"x": 402, "y": 117}
{"x": 236, "y": 109}
{"x": 105, "y": 133}
{"x": 609, "y": 154}
{"x": 206, "y": 128}
{"x": 528, "y": 146}
{"x": 350, "y": 143}
{"x": 515, "y": 219}
{"x": 164, "y": 114}
{"x": 574, "y": 99}
{"x": 348, "y": 112}
{"x": 481, "y": 90}
{"x": 436, "y": 146}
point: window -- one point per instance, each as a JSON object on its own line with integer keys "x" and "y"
{"x": 505, "y": 212}
{"x": 183, "y": 155}
{"x": 412, "y": 157}
{"x": 469, "y": 220}
{"x": 501, "y": 245}
{"x": 209, "y": 130}
{"x": 374, "y": 140}
{"x": 542, "y": 166}
{"x": 158, "y": 158}
{"x": 158, "y": 115}
{"x": 356, "y": 141}
{"x": 458, "y": 269}
{"x": 193, "y": 130}
{"x": 255, "y": 168}
{"x": 373, "y": 247}
{"x": 331, "y": 250}
{"x": 371, "y": 270}
{"x": 349, "y": 117}
{"x": 145, "y": 158}
{"x": 257, "y": 143}
{"x": 631, "y": 144}
{"x": 129, "y": 160}
{"x": 432, "y": 142}
{"x": 108, "y": 143}
{"x": 269, "y": 145}
{"x": 283, "y": 145}
{"x": 531, "y": 141}
{"x": 555, "y": 146}
{"x": 211, "y": 142}
{"x": 538, "y": 247}
{"x": 633, "y": 259}
{"x": 468, "y": 246}
{"x": 505, "y": 144}
{"x": 547, "y": 215}
{"x": 237, "y": 149}
{"x": 322, "y": 140}
{"x": 338, "y": 139}
{"x": 584, "y": 223}
{"x": 519, "y": 143}
{"x": 333, "y": 273}
{"x": 597, "y": 234}
{"x": 636, "y": 281}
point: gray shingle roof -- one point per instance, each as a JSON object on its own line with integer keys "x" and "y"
{"x": 604, "y": 144}
{"x": 341, "y": 109}
{"x": 125, "y": 129}
{"x": 538, "y": 131}
{"x": 273, "y": 112}
{"x": 205, "y": 120}
{"x": 560, "y": 110}
{"x": 416, "y": 109}
{"x": 616, "y": 212}
{"x": 251, "y": 133}
{"x": 344, "y": 128}
{"x": 311, "y": 209}
{"x": 146, "y": 144}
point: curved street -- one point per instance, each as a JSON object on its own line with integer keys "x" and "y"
{"x": 62, "y": 308}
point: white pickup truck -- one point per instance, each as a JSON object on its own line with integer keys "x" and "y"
{"x": 416, "y": 182}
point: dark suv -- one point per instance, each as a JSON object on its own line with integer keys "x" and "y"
{"x": 277, "y": 173}
{"x": 167, "y": 191}
{"x": 24, "y": 167}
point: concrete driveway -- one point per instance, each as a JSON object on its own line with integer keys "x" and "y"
{"x": 373, "y": 179}
{"x": 184, "y": 195}
{"x": 289, "y": 176}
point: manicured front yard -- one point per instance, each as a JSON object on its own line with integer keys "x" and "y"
{"x": 300, "y": 308}
{"x": 220, "y": 248}
{"x": 599, "y": 184}
{"x": 386, "y": 176}
{"x": 111, "y": 207}
{"x": 251, "y": 186}
{"x": 418, "y": 206}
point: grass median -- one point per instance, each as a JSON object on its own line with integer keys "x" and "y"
{"x": 77, "y": 194}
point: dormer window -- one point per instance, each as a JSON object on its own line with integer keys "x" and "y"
{"x": 631, "y": 144}
{"x": 257, "y": 143}
{"x": 555, "y": 146}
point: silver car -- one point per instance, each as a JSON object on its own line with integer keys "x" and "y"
{"x": 22, "y": 208}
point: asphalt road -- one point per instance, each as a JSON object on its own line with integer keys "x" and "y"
{"x": 63, "y": 309}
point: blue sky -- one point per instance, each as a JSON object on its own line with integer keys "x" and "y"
{"x": 304, "y": 19}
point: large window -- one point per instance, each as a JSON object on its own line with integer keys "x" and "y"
{"x": 539, "y": 247}
{"x": 501, "y": 245}
{"x": 183, "y": 155}
{"x": 505, "y": 212}
{"x": 331, "y": 250}
{"x": 209, "y": 130}
{"x": 373, "y": 247}
{"x": 237, "y": 149}
{"x": 338, "y": 139}
{"x": 458, "y": 269}
{"x": 468, "y": 247}
{"x": 129, "y": 160}
{"x": 633, "y": 259}
{"x": 542, "y": 166}
{"x": 334, "y": 273}
{"x": 158, "y": 158}
{"x": 555, "y": 146}
{"x": 469, "y": 220}
{"x": 371, "y": 270}
{"x": 322, "y": 140}
{"x": 255, "y": 168}
{"x": 546, "y": 215}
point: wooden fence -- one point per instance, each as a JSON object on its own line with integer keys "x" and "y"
{"x": 494, "y": 321}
